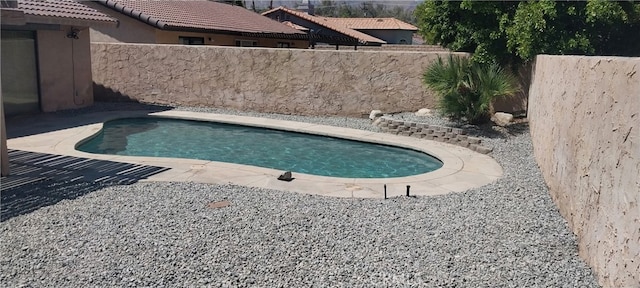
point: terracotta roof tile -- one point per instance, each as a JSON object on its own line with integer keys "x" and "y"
{"x": 374, "y": 23}
{"x": 295, "y": 26}
{"x": 62, "y": 9}
{"x": 206, "y": 15}
{"x": 326, "y": 22}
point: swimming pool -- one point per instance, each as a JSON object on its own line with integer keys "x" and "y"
{"x": 283, "y": 150}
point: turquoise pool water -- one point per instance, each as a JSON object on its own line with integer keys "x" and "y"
{"x": 282, "y": 150}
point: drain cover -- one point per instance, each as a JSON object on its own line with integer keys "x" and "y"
{"x": 219, "y": 204}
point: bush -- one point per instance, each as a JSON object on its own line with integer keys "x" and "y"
{"x": 466, "y": 88}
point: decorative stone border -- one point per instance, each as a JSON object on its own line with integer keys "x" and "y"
{"x": 456, "y": 136}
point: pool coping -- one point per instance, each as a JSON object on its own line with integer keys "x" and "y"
{"x": 462, "y": 168}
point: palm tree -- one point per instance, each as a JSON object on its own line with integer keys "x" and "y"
{"x": 466, "y": 88}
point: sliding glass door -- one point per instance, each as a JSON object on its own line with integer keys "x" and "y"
{"x": 19, "y": 72}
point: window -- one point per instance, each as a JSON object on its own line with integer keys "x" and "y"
{"x": 284, "y": 45}
{"x": 246, "y": 43}
{"x": 191, "y": 40}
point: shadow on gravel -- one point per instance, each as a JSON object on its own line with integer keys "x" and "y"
{"x": 488, "y": 130}
{"x": 38, "y": 180}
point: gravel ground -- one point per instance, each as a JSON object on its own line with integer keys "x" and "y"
{"x": 506, "y": 234}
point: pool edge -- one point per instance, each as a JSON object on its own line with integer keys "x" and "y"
{"x": 462, "y": 168}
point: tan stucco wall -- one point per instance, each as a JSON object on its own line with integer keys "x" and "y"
{"x": 129, "y": 30}
{"x": 296, "y": 81}
{"x": 584, "y": 115}
{"x": 64, "y": 69}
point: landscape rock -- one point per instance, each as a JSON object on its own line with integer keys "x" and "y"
{"x": 424, "y": 112}
{"x": 219, "y": 204}
{"x": 286, "y": 176}
{"x": 375, "y": 114}
{"x": 502, "y": 118}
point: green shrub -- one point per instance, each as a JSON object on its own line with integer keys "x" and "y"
{"x": 466, "y": 89}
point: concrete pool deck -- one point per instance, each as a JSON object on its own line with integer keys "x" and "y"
{"x": 463, "y": 168}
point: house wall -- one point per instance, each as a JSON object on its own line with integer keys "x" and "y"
{"x": 129, "y": 30}
{"x": 391, "y": 36}
{"x": 584, "y": 123}
{"x": 290, "y": 81}
{"x": 172, "y": 37}
{"x": 64, "y": 69}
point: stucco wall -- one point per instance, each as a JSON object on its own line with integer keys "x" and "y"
{"x": 129, "y": 30}
{"x": 584, "y": 115}
{"x": 295, "y": 81}
{"x": 64, "y": 69}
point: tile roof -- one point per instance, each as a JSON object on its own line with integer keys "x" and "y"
{"x": 295, "y": 26}
{"x": 326, "y": 22}
{"x": 198, "y": 14}
{"x": 374, "y": 23}
{"x": 66, "y": 9}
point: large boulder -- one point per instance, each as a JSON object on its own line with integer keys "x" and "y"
{"x": 502, "y": 118}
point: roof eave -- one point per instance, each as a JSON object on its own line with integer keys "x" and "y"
{"x": 265, "y": 13}
{"x": 12, "y": 17}
{"x": 41, "y": 19}
{"x": 264, "y": 34}
{"x": 134, "y": 13}
{"x": 277, "y": 35}
{"x": 375, "y": 42}
{"x": 362, "y": 28}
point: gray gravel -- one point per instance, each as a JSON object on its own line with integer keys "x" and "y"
{"x": 506, "y": 234}
{"x": 433, "y": 120}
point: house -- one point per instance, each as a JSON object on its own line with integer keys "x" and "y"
{"x": 324, "y": 29}
{"x": 347, "y": 31}
{"x": 46, "y": 58}
{"x": 391, "y": 30}
{"x": 192, "y": 22}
